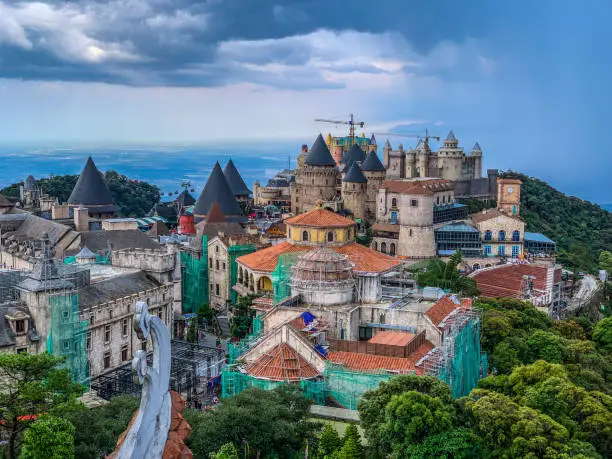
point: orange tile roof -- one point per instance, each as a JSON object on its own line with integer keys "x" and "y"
{"x": 369, "y": 362}
{"x": 392, "y": 337}
{"x": 506, "y": 281}
{"x": 282, "y": 363}
{"x": 443, "y": 307}
{"x": 424, "y": 187}
{"x": 488, "y": 214}
{"x": 365, "y": 259}
{"x": 320, "y": 218}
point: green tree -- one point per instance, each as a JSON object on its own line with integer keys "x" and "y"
{"x": 192, "y": 332}
{"x": 352, "y": 435}
{"x": 457, "y": 443}
{"x": 265, "y": 423}
{"x": 243, "y": 316}
{"x": 227, "y": 451}
{"x": 411, "y": 417}
{"x": 99, "y": 428}
{"x": 329, "y": 442}
{"x": 350, "y": 450}
{"x": 447, "y": 276}
{"x": 49, "y": 437}
{"x": 602, "y": 334}
{"x": 30, "y": 385}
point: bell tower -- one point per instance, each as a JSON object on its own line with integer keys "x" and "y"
{"x": 509, "y": 196}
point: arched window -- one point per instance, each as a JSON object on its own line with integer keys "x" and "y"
{"x": 289, "y": 233}
{"x": 217, "y": 249}
{"x": 330, "y": 236}
{"x": 252, "y": 282}
{"x": 392, "y": 249}
{"x": 383, "y": 247}
{"x": 305, "y": 236}
{"x": 375, "y": 245}
{"x": 502, "y": 235}
{"x": 488, "y": 235}
{"x": 394, "y": 202}
{"x": 516, "y": 236}
{"x": 210, "y": 262}
{"x": 216, "y": 264}
{"x": 381, "y": 319}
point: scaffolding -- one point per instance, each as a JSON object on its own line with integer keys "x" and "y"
{"x": 192, "y": 367}
{"x": 458, "y": 361}
{"x": 68, "y": 336}
{"x": 281, "y": 277}
{"x": 194, "y": 275}
{"x": 235, "y": 350}
{"x": 234, "y": 252}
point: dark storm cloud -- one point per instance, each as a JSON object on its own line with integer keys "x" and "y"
{"x": 214, "y": 42}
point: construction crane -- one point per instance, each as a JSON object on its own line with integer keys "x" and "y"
{"x": 351, "y": 123}
{"x": 425, "y": 137}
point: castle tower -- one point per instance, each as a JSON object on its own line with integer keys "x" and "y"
{"x": 476, "y": 153}
{"x": 92, "y": 192}
{"x": 451, "y": 159}
{"x": 355, "y": 153}
{"x": 509, "y": 196}
{"x": 302, "y": 156}
{"x": 316, "y": 180}
{"x": 30, "y": 193}
{"x": 354, "y": 191}
{"x": 374, "y": 172}
{"x": 217, "y": 189}
{"x": 386, "y": 153}
{"x": 422, "y": 156}
{"x": 236, "y": 183}
{"x": 372, "y": 146}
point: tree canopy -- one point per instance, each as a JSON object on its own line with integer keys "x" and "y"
{"x": 446, "y": 275}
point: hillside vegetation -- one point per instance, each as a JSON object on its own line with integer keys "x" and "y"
{"x": 134, "y": 198}
{"x": 581, "y": 229}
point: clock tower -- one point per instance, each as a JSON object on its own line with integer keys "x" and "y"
{"x": 509, "y": 196}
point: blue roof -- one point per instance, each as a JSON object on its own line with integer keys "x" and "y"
{"x": 458, "y": 227}
{"x": 454, "y": 205}
{"x": 537, "y": 237}
{"x": 446, "y": 252}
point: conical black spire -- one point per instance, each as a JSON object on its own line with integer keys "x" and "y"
{"x": 217, "y": 189}
{"x": 30, "y": 183}
{"x": 90, "y": 188}
{"x": 234, "y": 180}
{"x": 319, "y": 154}
{"x": 372, "y": 163}
{"x": 354, "y": 154}
{"x": 354, "y": 175}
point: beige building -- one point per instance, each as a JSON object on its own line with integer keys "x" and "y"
{"x": 404, "y": 220}
{"x": 502, "y": 235}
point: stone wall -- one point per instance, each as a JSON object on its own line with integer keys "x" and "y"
{"x": 312, "y": 184}
{"x": 218, "y": 274}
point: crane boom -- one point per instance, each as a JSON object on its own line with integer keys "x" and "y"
{"x": 351, "y": 122}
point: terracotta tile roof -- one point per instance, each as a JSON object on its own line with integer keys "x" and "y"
{"x": 282, "y": 363}
{"x": 506, "y": 280}
{"x": 386, "y": 227}
{"x": 369, "y": 362}
{"x": 488, "y": 214}
{"x": 320, "y": 218}
{"x": 367, "y": 260}
{"x": 424, "y": 187}
{"x": 364, "y": 258}
{"x": 392, "y": 337}
{"x": 442, "y": 308}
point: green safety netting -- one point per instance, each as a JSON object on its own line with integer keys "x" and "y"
{"x": 234, "y": 252}
{"x": 465, "y": 368}
{"x": 348, "y": 386}
{"x": 100, "y": 260}
{"x": 235, "y": 350}
{"x": 194, "y": 275}
{"x": 281, "y": 276}
{"x": 68, "y": 336}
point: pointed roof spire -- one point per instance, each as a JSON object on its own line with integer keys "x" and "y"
{"x": 30, "y": 183}
{"x": 234, "y": 179}
{"x": 372, "y": 163}
{"x": 319, "y": 154}
{"x": 451, "y": 136}
{"x": 355, "y": 153}
{"x": 90, "y": 188}
{"x": 372, "y": 140}
{"x": 354, "y": 175}
{"x": 215, "y": 215}
{"x": 217, "y": 189}
{"x": 476, "y": 147}
{"x": 328, "y": 141}
{"x": 347, "y": 166}
{"x": 388, "y": 144}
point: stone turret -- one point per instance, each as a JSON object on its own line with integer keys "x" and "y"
{"x": 316, "y": 180}
{"x": 476, "y": 153}
{"x": 354, "y": 191}
{"x": 217, "y": 189}
{"x": 375, "y": 173}
{"x": 373, "y": 146}
{"x": 92, "y": 192}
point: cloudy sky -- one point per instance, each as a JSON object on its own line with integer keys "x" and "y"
{"x": 529, "y": 80}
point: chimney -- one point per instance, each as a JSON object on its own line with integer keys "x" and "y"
{"x": 81, "y": 218}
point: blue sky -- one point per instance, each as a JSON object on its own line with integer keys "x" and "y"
{"x": 528, "y": 80}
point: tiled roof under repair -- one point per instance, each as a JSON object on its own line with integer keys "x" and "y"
{"x": 442, "y": 308}
{"x": 423, "y": 187}
{"x": 369, "y": 362}
{"x": 365, "y": 260}
{"x": 282, "y": 363}
{"x": 234, "y": 179}
{"x": 372, "y": 163}
{"x": 392, "y": 337}
{"x": 217, "y": 189}
{"x": 90, "y": 188}
{"x": 505, "y": 281}
{"x": 354, "y": 175}
{"x": 319, "y": 154}
{"x": 322, "y": 218}
{"x": 488, "y": 214}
